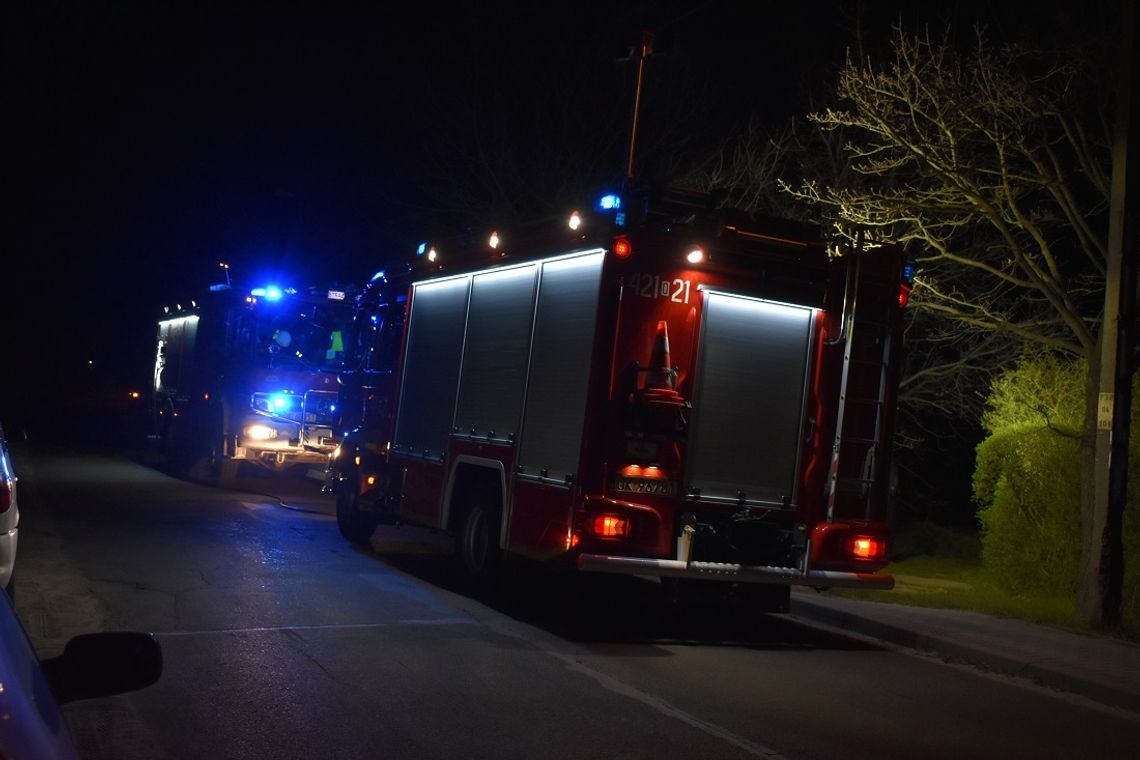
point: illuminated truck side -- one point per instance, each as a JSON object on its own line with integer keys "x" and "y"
{"x": 656, "y": 391}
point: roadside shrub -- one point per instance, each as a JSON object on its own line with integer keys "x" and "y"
{"x": 1027, "y": 482}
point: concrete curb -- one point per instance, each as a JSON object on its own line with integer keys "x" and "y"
{"x": 945, "y": 646}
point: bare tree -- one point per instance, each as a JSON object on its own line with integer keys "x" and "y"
{"x": 993, "y": 168}
{"x": 946, "y": 367}
{"x": 747, "y": 166}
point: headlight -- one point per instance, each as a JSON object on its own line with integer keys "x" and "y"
{"x": 260, "y": 432}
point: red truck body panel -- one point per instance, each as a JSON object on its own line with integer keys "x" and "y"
{"x": 626, "y": 407}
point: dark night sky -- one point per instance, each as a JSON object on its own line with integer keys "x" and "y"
{"x": 147, "y": 141}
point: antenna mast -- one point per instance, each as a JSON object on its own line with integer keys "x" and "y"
{"x": 646, "y": 50}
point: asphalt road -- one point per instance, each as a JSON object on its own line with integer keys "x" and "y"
{"x": 282, "y": 640}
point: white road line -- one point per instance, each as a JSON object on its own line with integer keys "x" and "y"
{"x": 607, "y": 682}
{"x": 330, "y": 627}
{"x": 660, "y": 705}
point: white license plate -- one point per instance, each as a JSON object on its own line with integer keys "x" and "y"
{"x": 654, "y": 486}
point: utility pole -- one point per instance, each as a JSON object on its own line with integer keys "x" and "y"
{"x": 1102, "y": 573}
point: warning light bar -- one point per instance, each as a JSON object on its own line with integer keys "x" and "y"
{"x": 270, "y": 292}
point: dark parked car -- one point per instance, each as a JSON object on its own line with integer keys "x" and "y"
{"x": 91, "y": 665}
{"x": 32, "y": 690}
{"x": 9, "y": 515}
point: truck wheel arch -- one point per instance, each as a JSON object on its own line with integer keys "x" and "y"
{"x": 354, "y": 525}
{"x": 475, "y": 477}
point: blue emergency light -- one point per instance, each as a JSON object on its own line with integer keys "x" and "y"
{"x": 269, "y": 292}
{"x": 609, "y": 202}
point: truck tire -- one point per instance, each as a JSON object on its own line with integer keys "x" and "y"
{"x": 354, "y": 525}
{"x": 478, "y": 558}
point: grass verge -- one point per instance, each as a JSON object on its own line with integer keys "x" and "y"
{"x": 941, "y": 567}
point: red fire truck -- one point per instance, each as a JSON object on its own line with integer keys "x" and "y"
{"x": 249, "y": 375}
{"x": 652, "y": 386}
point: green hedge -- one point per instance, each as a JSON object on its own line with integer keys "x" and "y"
{"x": 1027, "y": 482}
{"x": 1027, "y": 485}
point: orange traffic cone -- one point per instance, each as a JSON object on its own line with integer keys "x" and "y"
{"x": 661, "y": 376}
{"x": 657, "y": 406}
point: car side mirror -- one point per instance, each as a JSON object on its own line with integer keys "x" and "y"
{"x": 103, "y": 664}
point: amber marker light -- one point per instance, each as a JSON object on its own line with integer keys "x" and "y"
{"x": 652, "y": 472}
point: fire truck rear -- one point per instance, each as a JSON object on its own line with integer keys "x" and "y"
{"x": 653, "y": 387}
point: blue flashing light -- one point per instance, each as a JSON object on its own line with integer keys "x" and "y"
{"x": 421, "y": 249}
{"x": 380, "y": 276}
{"x": 270, "y": 292}
{"x": 609, "y": 202}
{"x": 909, "y": 272}
{"x": 619, "y": 219}
{"x": 280, "y": 402}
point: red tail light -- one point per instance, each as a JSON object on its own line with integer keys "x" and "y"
{"x": 866, "y": 548}
{"x": 904, "y": 294}
{"x": 611, "y": 526}
{"x": 622, "y": 248}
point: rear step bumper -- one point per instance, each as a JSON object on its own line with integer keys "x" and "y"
{"x": 723, "y": 571}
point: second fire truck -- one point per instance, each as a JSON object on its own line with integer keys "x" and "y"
{"x": 652, "y": 387}
{"x": 250, "y": 375}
